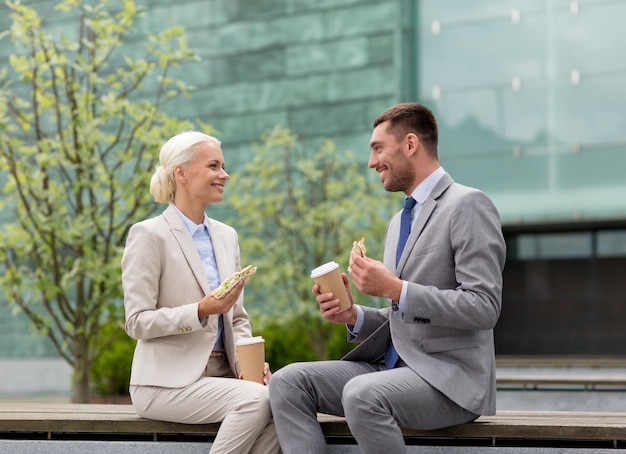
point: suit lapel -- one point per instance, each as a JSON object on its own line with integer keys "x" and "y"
{"x": 187, "y": 246}
{"x": 422, "y": 218}
{"x": 416, "y": 230}
{"x": 224, "y": 268}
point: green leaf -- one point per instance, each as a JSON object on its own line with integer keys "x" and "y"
{"x": 78, "y": 145}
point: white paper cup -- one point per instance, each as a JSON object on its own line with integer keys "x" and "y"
{"x": 328, "y": 277}
{"x": 251, "y": 354}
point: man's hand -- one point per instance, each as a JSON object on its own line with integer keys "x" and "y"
{"x": 329, "y": 305}
{"x": 374, "y": 278}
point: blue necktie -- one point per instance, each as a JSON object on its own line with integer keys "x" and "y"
{"x": 405, "y": 226}
{"x": 391, "y": 356}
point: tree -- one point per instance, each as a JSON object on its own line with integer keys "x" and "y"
{"x": 81, "y": 123}
{"x": 297, "y": 208}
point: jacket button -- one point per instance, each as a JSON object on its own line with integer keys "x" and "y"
{"x": 394, "y": 306}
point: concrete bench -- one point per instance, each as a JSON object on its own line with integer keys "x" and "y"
{"x": 578, "y": 381}
{"x": 62, "y": 421}
{"x": 561, "y": 361}
{"x": 571, "y": 373}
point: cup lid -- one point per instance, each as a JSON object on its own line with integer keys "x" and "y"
{"x": 323, "y": 269}
{"x": 250, "y": 340}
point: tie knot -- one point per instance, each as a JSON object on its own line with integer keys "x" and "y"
{"x": 409, "y": 203}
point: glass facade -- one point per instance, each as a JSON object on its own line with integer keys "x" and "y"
{"x": 567, "y": 245}
{"x": 323, "y": 68}
{"x": 530, "y": 99}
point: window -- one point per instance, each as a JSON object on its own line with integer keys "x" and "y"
{"x": 553, "y": 246}
{"x": 612, "y": 243}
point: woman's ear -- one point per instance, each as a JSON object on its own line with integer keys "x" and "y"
{"x": 179, "y": 174}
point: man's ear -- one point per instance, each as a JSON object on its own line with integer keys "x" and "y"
{"x": 412, "y": 143}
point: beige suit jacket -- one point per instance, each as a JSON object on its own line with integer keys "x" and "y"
{"x": 163, "y": 280}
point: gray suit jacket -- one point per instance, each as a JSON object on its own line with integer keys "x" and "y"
{"x": 163, "y": 280}
{"x": 453, "y": 262}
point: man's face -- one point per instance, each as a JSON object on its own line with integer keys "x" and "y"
{"x": 388, "y": 158}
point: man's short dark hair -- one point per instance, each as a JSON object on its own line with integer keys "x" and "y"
{"x": 412, "y": 117}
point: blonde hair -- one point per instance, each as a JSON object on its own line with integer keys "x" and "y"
{"x": 177, "y": 151}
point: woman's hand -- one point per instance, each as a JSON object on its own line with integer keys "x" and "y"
{"x": 267, "y": 373}
{"x": 210, "y": 305}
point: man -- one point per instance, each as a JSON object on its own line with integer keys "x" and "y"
{"x": 427, "y": 361}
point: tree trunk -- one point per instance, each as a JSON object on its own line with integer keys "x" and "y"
{"x": 82, "y": 368}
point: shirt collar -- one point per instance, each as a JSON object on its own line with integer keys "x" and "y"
{"x": 423, "y": 190}
{"x": 192, "y": 226}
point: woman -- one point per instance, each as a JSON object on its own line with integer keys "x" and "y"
{"x": 185, "y": 368}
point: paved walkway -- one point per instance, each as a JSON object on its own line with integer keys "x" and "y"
{"x": 125, "y": 447}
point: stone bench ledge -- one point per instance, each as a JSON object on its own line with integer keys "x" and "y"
{"x": 99, "y": 421}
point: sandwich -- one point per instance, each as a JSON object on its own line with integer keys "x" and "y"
{"x": 359, "y": 247}
{"x": 233, "y": 280}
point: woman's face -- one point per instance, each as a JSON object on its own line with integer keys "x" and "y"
{"x": 204, "y": 177}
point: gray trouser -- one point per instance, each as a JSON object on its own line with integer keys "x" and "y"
{"x": 375, "y": 401}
